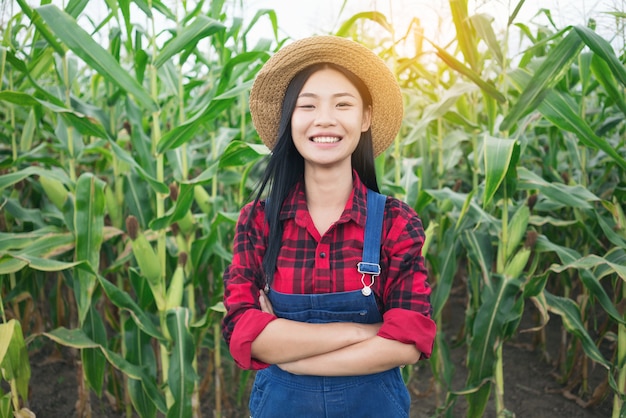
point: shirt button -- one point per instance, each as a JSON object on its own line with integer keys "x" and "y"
{"x": 323, "y": 255}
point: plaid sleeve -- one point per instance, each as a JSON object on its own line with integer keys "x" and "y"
{"x": 406, "y": 293}
{"x": 244, "y": 319}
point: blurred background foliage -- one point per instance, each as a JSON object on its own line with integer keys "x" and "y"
{"x": 127, "y": 150}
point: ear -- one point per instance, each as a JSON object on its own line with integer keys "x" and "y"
{"x": 367, "y": 118}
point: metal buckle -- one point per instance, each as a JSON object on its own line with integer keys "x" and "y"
{"x": 368, "y": 268}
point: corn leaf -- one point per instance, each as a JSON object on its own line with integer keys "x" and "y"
{"x": 483, "y": 25}
{"x": 181, "y": 374}
{"x": 560, "y": 195}
{"x": 89, "y": 227}
{"x": 602, "y": 48}
{"x": 376, "y": 17}
{"x": 122, "y": 300}
{"x": 76, "y": 338}
{"x": 498, "y": 155}
{"x": 547, "y": 75}
{"x": 459, "y": 67}
{"x": 188, "y": 37}
{"x": 83, "y": 45}
{"x": 557, "y": 109}
{"x": 446, "y": 261}
{"x": 139, "y": 352}
{"x": 604, "y": 76}
{"x": 572, "y": 321}
{"x": 497, "y": 303}
{"x": 94, "y": 362}
{"x": 14, "y": 362}
{"x": 571, "y": 259}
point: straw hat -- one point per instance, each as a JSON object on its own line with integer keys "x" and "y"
{"x": 271, "y": 83}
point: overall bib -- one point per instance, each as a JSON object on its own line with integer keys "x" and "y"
{"x": 280, "y": 394}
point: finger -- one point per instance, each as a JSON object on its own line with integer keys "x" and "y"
{"x": 265, "y": 304}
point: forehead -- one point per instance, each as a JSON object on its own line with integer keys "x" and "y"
{"x": 329, "y": 79}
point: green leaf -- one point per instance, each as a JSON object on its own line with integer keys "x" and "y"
{"x": 185, "y": 132}
{"x": 179, "y": 211}
{"x": 557, "y": 193}
{"x": 557, "y": 109}
{"x": 571, "y": 259}
{"x": 572, "y": 321}
{"x": 181, "y": 374}
{"x": 41, "y": 27}
{"x": 482, "y": 23}
{"x": 465, "y": 34}
{"x": 89, "y": 227}
{"x": 83, "y": 45}
{"x": 240, "y": 153}
{"x": 498, "y": 154}
{"x": 123, "y": 300}
{"x": 497, "y": 301}
{"x": 14, "y": 363}
{"x": 76, "y": 338}
{"x": 459, "y": 67}
{"x": 447, "y": 262}
{"x": 139, "y": 351}
{"x": 94, "y": 362}
{"x": 188, "y": 37}
{"x": 376, "y": 17}
{"x": 547, "y": 75}
{"x": 602, "y": 48}
{"x": 603, "y": 75}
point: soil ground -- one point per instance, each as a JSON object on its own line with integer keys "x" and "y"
{"x": 531, "y": 387}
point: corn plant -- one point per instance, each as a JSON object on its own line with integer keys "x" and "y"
{"x": 121, "y": 188}
{"x": 127, "y": 151}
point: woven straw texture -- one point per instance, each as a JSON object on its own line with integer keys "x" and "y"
{"x": 271, "y": 82}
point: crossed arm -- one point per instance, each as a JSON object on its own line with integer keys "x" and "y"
{"x": 332, "y": 349}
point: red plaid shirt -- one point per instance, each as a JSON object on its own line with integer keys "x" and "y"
{"x": 310, "y": 263}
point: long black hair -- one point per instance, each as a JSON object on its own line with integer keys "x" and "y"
{"x": 285, "y": 167}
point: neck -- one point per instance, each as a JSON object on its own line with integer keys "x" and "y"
{"x": 328, "y": 188}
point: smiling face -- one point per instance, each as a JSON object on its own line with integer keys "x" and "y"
{"x": 328, "y": 119}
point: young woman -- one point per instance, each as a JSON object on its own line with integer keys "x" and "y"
{"x": 327, "y": 294}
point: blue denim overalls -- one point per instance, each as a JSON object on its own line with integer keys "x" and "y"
{"x": 280, "y": 394}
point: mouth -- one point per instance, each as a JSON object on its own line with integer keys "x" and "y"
{"x": 325, "y": 139}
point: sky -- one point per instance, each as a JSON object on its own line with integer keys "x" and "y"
{"x": 303, "y": 18}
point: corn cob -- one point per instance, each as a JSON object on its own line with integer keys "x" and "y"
{"x": 177, "y": 284}
{"x": 202, "y": 198}
{"x": 517, "y": 229}
{"x": 516, "y": 265}
{"x": 147, "y": 260}
{"x": 113, "y": 207}
{"x": 55, "y": 190}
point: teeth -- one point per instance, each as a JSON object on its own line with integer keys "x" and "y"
{"x": 325, "y": 139}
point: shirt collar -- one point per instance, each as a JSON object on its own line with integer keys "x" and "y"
{"x": 356, "y": 207}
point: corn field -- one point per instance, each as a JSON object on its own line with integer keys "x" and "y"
{"x": 127, "y": 150}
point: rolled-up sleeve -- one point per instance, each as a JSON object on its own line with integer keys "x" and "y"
{"x": 406, "y": 294}
{"x": 244, "y": 319}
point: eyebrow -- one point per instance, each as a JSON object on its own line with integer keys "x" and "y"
{"x": 313, "y": 95}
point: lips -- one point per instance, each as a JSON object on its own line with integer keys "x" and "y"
{"x": 325, "y": 139}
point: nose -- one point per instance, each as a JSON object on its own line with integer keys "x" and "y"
{"x": 325, "y": 116}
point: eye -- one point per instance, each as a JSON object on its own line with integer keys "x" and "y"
{"x": 305, "y": 105}
{"x": 344, "y": 104}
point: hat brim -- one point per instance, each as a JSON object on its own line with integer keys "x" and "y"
{"x": 271, "y": 82}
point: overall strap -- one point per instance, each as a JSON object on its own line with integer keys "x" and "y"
{"x": 373, "y": 229}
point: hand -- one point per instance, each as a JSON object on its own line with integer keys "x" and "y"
{"x": 266, "y": 305}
